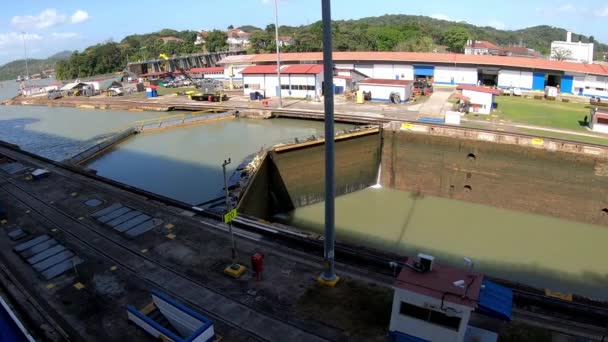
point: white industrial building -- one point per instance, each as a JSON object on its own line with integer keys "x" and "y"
{"x": 434, "y": 303}
{"x": 481, "y": 98}
{"x": 382, "y": 90}
{"x": 300, "y": 80}
{"x": 579, "y": 52}
{"x": 216, "y": 73}
{"x": 599, "y": 120}
{"x": 530, "y": 74}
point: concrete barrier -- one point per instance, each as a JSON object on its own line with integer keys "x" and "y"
{"x": 101, "y": 147}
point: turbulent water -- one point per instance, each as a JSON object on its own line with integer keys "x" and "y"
{"x": 185, "y": 163}
{"x": 538, "y": 250}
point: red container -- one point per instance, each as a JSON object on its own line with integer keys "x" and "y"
{"x": 257, "y": 262}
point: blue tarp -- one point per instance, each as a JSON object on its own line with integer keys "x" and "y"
{"x": 432, "y": 120}
{"x": 495, "y": 301}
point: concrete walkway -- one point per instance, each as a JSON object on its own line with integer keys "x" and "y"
{"x": 435, "y": 105}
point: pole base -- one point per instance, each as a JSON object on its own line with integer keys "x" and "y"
{"x": 235, "y": 270}
{"x": 328, "y": 282}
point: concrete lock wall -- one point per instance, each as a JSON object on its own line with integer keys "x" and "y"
{"x": 295, "y": 177}
{"x": 544, "y": 180}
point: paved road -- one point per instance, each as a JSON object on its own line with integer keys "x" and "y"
{"x": 436, "y": 104}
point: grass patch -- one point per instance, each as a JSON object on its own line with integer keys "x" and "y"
{"x": 565, "y": 136}
{"x": 360, "y": 309}
{"x": 554, "y": 114}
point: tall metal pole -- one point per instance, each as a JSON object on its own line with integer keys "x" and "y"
{"x": 27, "y": 70}
{"x": 276, "y": 29}
{"x": 228, "y": 209}
{"x": 329, "y": 275}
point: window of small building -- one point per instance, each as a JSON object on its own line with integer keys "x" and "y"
{"x": 431, "y": 316}
{"x": 246, "y": 86}
{"x": 602, "y": 120}
{"x": 285, "y": 86}
{"x": 414, "y": 311}
{"x": 310, "y": 87}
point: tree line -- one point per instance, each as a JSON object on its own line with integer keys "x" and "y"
{"x": 385, "y": 33}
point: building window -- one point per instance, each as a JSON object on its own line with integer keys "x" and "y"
{"x": 310, "y": 87}
{"x": 431, "y": 316}
{"x": 246, "y": 86}
{"x": 285, "y": 86}
{"x": 603, "y": 121}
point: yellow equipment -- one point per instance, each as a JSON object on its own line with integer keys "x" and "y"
{"x": 360, "y": 97}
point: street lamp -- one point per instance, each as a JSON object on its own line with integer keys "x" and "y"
{"x": 234, "y": 269}
{"x": 276, "y": 29}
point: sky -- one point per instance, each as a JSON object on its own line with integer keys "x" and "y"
{"x": 52, "y": 26}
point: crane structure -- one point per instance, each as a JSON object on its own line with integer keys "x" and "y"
{"x": 209, "y": 90}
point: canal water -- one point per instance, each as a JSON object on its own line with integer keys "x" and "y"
{"x": 59, "y": 133}
{"x": 185, "y": 163}
{"x": 542, "y": 251}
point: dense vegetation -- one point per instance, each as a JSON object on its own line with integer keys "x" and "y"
{"x": 10, "y": 71}
{"x": 385, "y": 33}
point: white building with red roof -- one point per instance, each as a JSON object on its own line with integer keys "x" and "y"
{"x": 481, "y": 98}
{"x": 435, "y": 303}
{"x": 599, "y": 120}
{"x": 386, "y": 90}
{"x": 297, "y": 80}
{"x": 581, "y": 79}
{"x": 481, "y": 47}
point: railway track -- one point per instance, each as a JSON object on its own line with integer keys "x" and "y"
{"x": 118, "y": 252}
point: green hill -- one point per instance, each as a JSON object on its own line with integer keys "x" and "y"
{"x": 409, "y": 33}
{"x": 384, "y": 33}
{"x": 11, "y": 70}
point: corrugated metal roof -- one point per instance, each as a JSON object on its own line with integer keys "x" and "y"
{"x": 495, "y": 301}
{"x": 285, "y": 69}
{"x": 439, "y": 281}
{"x": 426, "y": 57}
{"x": 303, "y": 69}
{"x": 381, "y": 81}
{"x": 479, "y": 89}
{"x": 260, "y": 69}
{"x": 462, "y": 97}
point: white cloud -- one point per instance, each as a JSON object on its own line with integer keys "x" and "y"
{"x": 48, "y": 18}
{"x": 79, "y": 16}
{"x": 566, "y": 8}
{"x": 603, "y": 13}
{"x": 499, "y": 25}
{"x": 12, "y": 38}
{"x": 64, "y": 35}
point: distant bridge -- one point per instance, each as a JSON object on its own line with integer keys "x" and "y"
{"x": 189, "y": 61}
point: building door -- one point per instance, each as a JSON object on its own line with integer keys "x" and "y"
{"x": 567, "y": 82}
{"x": 426, "y": 71}
{"x": 538, "y": 81}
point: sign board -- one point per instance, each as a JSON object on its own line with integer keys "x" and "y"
{"x": 229, "y": 216}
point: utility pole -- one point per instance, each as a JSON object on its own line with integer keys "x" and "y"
{"x": 234, "y": 269}
{"x": 276, "y": 28}
{"x": 27, "y": 70}
{"x": 329, "y": 277}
